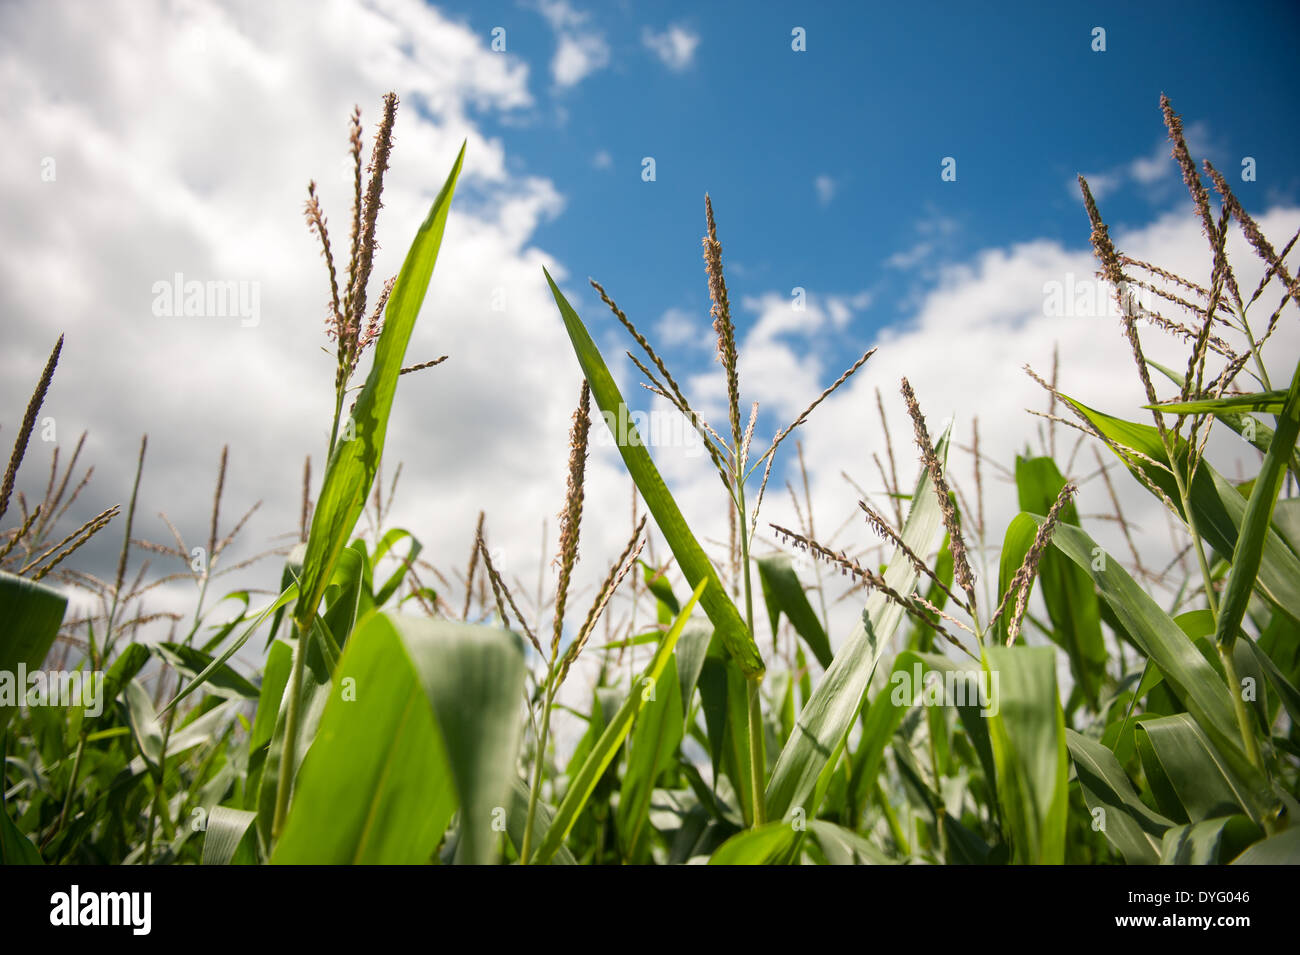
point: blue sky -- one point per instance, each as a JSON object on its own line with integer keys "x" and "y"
{"x": 1016, "y": 95}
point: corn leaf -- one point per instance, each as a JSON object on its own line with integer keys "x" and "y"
{"x": 421, "y": 721}
{"x": 784, "y": 594}
{"x": 230, "y": 838}
{"x": 691, "y": 558}
{"x": 1255, "y": 527}
{"x": 1130, "y": 826}
{"x": 1027, "y": 730}
{"x": 351, "y": 469}
{"x": 1218, "y": 507}
{"x": 827, "y": 717}
{"x": 611, "y": 739}
{"x": 30, "y": 616}
{"x": 1068, "y": 593}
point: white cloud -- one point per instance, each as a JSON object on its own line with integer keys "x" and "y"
{"x": 577, "y": 57}
{"x": 675, "y": 46}
{"x": 580, "y": 51}
{"x": 825, "y": 187}
{"x": 678, "y": 327}
{"x": 603, "y": 160}
{"x": 934, "y": 230}
{"x": 1101, "y": 184}
{"x": 1156, "y": 167}
{"x": 963, "y": 352}
{"x": 183, "y": 138}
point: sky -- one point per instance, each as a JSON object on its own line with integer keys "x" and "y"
{"x": 151, "y": 139}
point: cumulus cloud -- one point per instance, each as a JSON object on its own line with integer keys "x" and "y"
{"x": 580, "y": 50}
{"x": 675, "y": 46}
{"x": 182, "y": 140}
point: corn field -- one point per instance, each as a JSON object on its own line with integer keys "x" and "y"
{"x": 1007, "y": 695}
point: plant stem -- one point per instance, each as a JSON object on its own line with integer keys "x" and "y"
{"x": 525, "y": 850}
{"x": 289, "y": 751}
{"x": 757, "y": 754}
{"x": 1225, "y": 653}
{"x": 1190, "y": 519}
{"x": 334, "y": 429}
{"x": 1239, "y": 707}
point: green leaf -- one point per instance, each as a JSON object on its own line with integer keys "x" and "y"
{"x": 1132, "y": 828}
{"x": 386, "y": 543}
{"x": 30, "y": 616}
{"x": 1255, "y": 526}
{"x": 144, "y": 724}
{"x": 1068, "y": 593}
{"x": 222, "y": 680}
{"x": 768, "y": 844}
{"x": 658, "y": 732}
{"x": 582, "y": 784}
{"x": 1159, "y": 637}
{"x": 351, "y": 469}
{"x": 1258, "y": 434}
{"x": 1269, "y": 402}
{"x": 1218, "y": 507}
{"x": 1202, "y": 781}
{"x": 691, "y": 558}
{"x": 657, "y": 584}
{"x": 286, "y": 597}
{"x": 202, "y": 728}
{"x": 1027, "y": 730}
{"x": 829, "y": 714}
{"x": 422, "y": 720}
{"x": 776, "y": 843}
{"x": 317, "y": 685}
{"x": 517, "y": 819}
{"x": 1209, "y": 842}
{"x": 783, "y": 593}
{"x": 275, "y": 677}
{"x": 230, "y": 838}
{"x": 15, "y": 848}
{"x": 1280, "y": 849}
{"x": 842, "y": 846}
{"x": 903, "y": 691}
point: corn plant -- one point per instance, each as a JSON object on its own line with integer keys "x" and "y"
{"x": 394, "y": 710}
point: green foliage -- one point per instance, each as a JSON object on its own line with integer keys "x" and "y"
{"x": 1097, "y": 712}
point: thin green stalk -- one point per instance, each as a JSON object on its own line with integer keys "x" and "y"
{"x": 891, "y": 817}
{"x": 1229, "y": 667}
{"x": 289, "y": 752}
{"x": 757, "y": 754}
{"x": 1254, "y": 352}
{"x": 525, "y": 850}
{"x": 97, "y": 660}
{"x": 160, "y": 792}
{"x": 1239, "y": 707}
{"x": 334, "y": 429}
{"x": 1190, "y": 518}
